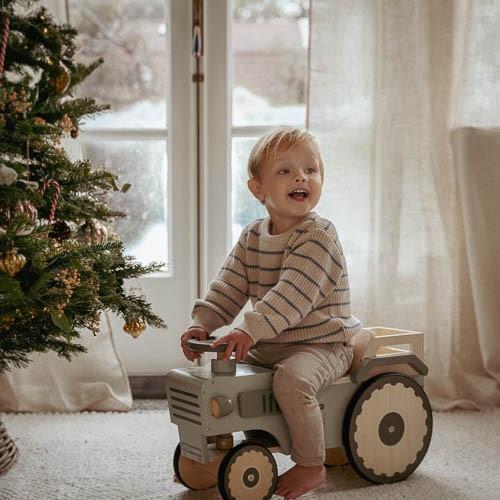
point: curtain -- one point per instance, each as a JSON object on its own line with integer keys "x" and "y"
{"x": 95, "y": 380}
{"x": 405, "y": 100}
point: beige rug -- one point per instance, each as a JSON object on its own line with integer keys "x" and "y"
{"x": 129, "y": 456}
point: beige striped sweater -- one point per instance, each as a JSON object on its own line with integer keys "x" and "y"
{"x": 296, "y": 281}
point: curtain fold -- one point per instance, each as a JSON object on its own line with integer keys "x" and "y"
{"x": 95, "y": 380}
{"x": 400, "y": 92}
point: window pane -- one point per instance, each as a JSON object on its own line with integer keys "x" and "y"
{"x": 131, "y": 38}
{"x": 143, "y": 164}
{"x": 270, "y": 45}
{"x": 245, "y": 208}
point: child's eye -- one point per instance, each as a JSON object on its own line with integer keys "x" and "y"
{"x": 311, "y": 169}
{"x": 283, "y": 171}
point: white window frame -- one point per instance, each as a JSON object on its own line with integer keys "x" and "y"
{"x": 216, "y": 232}
{"x": 215, "y": 192}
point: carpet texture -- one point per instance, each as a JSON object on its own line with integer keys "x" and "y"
{"x": 94, "y": 455}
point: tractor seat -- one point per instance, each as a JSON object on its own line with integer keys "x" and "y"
{"x": 360, "y": 343}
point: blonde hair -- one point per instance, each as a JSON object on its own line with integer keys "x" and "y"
{"x": 279, "y": 141}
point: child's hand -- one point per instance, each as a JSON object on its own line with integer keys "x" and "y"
{"x": 237, "y": 340}
{"x": 192, "y": 333}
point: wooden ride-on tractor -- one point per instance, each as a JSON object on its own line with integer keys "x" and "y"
{"x": 377, "y": 417}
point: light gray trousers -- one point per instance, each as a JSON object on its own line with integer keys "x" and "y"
{"x": 300, "y": 372}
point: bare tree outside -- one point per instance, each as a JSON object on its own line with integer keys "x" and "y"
{"x": 130, "y": 36}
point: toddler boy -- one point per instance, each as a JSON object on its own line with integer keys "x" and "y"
{"x": 292, "y": 268}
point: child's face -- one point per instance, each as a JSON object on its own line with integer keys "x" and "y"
{"x": 277, "y": 185}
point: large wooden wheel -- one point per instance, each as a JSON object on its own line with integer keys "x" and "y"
{"x": 248, "y": 471}
{"x": 387, "y": 428}
{"x": 194, "y": 475}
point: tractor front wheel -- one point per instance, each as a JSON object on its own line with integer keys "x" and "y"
{"x": 248, "y": 470}
{"x": 194, "y": 475}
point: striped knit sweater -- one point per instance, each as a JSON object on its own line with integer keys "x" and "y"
{"x": 296, "y": 281}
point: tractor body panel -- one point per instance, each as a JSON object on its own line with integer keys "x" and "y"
{"x": 190, "y": 390}
{"x": 333, "y": 401}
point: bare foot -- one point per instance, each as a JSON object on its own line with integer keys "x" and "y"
{"x": 299, "y": 480}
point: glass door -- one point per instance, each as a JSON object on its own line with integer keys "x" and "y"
{"x": 147, "y": 140}
{"x": 256, "y": 62}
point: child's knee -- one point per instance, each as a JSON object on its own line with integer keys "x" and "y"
{"x": 287, "y": 383}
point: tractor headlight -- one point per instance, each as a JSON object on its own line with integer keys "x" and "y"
{"x": 221, "y": 406}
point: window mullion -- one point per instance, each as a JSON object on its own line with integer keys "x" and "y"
{"x": 216, "y": 171}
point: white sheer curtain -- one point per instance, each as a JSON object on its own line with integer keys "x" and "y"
{"x": 405, "y": 99}
{"x": 96, "y": 380}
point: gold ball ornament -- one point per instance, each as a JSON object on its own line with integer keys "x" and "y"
{"x": 38, "y": 120}
{"x": 12, "y": 262}
{"x": 60, "y": 83}
{"x": 134, "y": 328}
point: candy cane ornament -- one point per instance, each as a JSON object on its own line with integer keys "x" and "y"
{"x": 57, "y": 192}
{"x": 3, "y": 48}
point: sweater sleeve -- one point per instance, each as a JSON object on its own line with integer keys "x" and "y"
{"x": 308, "y": 274}
{"x": 227, "y": 293}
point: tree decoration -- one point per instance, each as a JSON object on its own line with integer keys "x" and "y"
{"x": 39, "y": 121}
{"x": 65, "y": 123}
{"x": 12, "y": 262}
{"x": 134, "y": 328}
{"x": 7, "y": 175}
{"x": 92, "y": 233}
{"x": 27, "y": 209}
{"x": 61, "y": 81}
{"x": 60, "y": 231}
{"x": 24, "y": 208}
{"x": 57, "y": 192}
{"x": 3, "y": 47}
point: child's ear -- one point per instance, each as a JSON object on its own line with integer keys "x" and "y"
{"x": 256, "y": 189}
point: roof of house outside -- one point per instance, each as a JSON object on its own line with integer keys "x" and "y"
{"x": 272, "y": 36}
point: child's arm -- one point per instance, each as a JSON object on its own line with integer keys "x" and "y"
{"x": 309, "y": 273}
{"x": 228, "y": 292}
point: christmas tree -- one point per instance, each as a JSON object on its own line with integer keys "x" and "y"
{"x": 60, "y": 266}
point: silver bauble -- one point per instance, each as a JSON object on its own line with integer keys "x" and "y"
{"x": 7, "y": 175}
{"x": 92, "y": 233}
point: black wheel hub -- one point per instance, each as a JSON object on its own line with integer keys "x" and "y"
{"x": 391, "y": 429}
{"x": 250, "y": 477}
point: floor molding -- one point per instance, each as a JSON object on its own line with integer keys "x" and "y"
{"x": 148, "y": 386}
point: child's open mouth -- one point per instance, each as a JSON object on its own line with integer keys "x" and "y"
{"x": 299, "y": 194}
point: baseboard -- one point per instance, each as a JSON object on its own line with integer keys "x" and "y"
{"x": 148, "y": 386}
